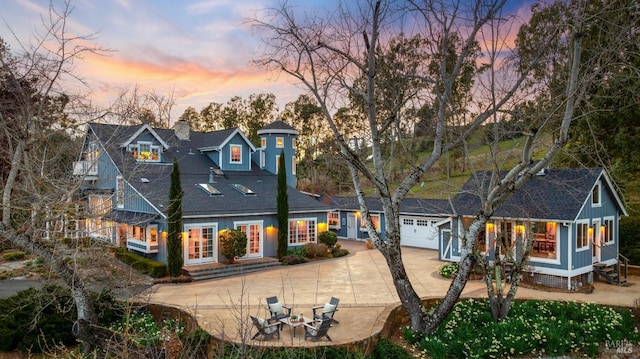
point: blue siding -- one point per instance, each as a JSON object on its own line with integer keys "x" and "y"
{"x": 272, "y": 152}
{"x": 226, "y": 155}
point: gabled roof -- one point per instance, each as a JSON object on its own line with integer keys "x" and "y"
{"x": 195, "y": 168}
{"x": 276, "y": 127}
{"x": 409, "y": 206}
{"x": 558, "y": 194}
{"x": 140, "y": 130}
{"x": 218, "y": 139}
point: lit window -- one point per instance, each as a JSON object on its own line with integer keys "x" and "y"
{"x": 263, "y": 142}
{"x": 120, "y": 192}
{"x": 375, "y": 219}
{"x": 334, "y": 219}
{"x": 293, "y": 143}
{"x": 262, "y": 159}
{"x": 582, "y": 230}
{"x": 145, "y": 151}
{"x": 279, "y": 142}
{"x": 236, "y": 154}
{"x": 293, "y": 164}
{"x": 302, "y": 231}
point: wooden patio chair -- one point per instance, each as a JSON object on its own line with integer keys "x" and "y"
{"x": 277, "y": 310}
{"x": 326, "y": 311}
{"x": 318, "y": 330}
{"x": 266, "y": 328}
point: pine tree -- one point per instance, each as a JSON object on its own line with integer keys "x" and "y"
{"x": 174, "y": 219}
{"x": 283, "y": 208}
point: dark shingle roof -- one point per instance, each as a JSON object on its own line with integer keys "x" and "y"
{"x": 559, "y": 194}
{"x": 416, "y": 206}
{"x": 277, "y": 126}
{"x": 194, "y": 168}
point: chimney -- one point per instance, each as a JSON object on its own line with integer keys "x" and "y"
{"x": 181, "y": 129}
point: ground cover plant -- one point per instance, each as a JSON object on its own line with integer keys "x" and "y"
{"x": 539, "y": 328}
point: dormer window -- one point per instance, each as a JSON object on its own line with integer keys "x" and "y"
{"x": 279, "y": 142}
{"x": 145, "y": 151}
{"x": 236, "y": 154}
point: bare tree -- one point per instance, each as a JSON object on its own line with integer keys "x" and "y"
{"x": 328, "y": 55}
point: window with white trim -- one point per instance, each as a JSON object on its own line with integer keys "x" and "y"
{"x": 263, "y": 159}
{"x": 263, "y": 142}
{"x": 607, "y": 236}
{"x": 302, "y": 231}
{"x": 145, "y": 151}
{"x": 334, "y": 219}
{"x": 293, "y": 164}
{"x": 582, "y": 235}
{"x": 375, "y": 219}
{"x": 236, "y": 153}
{"x": 596, "y": 201}
{"x": 279, "y": 142}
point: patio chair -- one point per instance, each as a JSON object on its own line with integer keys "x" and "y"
{"x": 265, "y": 328}
{"x": 318, "y": 330}
{"x": 277, "y": 310}
{"x": 326, "y": 311}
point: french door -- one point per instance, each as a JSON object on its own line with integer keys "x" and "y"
{"x": 253, "y": 230}
{"x": 199, "y": 246}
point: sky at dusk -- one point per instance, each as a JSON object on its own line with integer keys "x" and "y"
{"x": 199, "y": 50}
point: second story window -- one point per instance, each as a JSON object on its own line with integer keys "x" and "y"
{"x": 279, "y": 142}
{"x": 263, "y": 142}
{"x": 236, "y": 154}
{"x": 145, "y": 151}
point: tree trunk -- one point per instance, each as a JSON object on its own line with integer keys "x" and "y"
{"x": 11, "y": 180}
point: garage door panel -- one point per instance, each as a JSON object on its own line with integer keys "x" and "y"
{"x": 418, "y": 232}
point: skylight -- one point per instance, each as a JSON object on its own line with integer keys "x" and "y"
{"x": 212, "y": 191}
{"x": 243, "y": 189}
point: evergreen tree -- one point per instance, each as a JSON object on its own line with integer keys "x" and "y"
{"x": 174, "y": 219}
{"x": 283, "y": 208}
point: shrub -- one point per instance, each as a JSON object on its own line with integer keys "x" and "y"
{"x": 316, "y": 250}
{"x": 329, "y": 238}
{"x": 299, "y": 251}
{"x": 14, "y": 255}
{"x": 448, "y": 270}
{"x": 148, "y": 266}
{"x": 291, "y": 259}
{"x": 233, "y": 243}
{"x": 369, "y": 243}
{"x": 388, "y": 349}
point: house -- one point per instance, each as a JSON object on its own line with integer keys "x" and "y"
{"x": 572, "y": 216}
{"x": 420, "y": 219}
{"x": 227, "y": 182}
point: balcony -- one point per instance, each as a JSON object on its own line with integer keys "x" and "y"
{"x": 142, "y": 246}
{"x": 87, "y": 169}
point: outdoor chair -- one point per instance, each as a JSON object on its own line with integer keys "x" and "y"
{"x": 326, "y": 311}
{"x": 277, "y": 310}
{"x": 265, "y": 328}
{"x": 318, "y": 330}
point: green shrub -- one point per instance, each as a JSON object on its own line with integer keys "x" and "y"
{"x": 316, "y": 250}
{"x": 298, "y": 251}
{"x": 14, "y": 255}
{"x": 388, "y": 349}
{"x": 329, "y": 238}
{"x": 148, "y": 266}
{"x": 291, "y": 259}
{"x": 337, "y": 251}
{"x": 448, "y": 270}
{"x": 233, "y": 243}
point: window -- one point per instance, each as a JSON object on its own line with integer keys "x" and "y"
{"x": 137, "y": 233}
{"x": 293, "y": 143}
{"x": 243, "y": 189}
{"x": 407, "y": 221}
{"x": 279, "y": 142}
{"x": 582, "y": 230}
{"x": 277, "y": 163}
{"x": 302, "y": 231}
{"x": 120, "y": 192}
{"x": 211, "y": 191}
{"x": 263, "y": 142}
{"x": 293, "y": 164}
{"x": 262, "y": 159}
{"x": 236, "y": 154}
{"x": 334, "y": 219}
{"x": 607, "y": 235}
{"x": 595, "y": 196}
{"x": 544, "y": 240}
{"x": 99, "y": 205}
{"x": 145, "y": 151}
{"x": 375, "y": 219}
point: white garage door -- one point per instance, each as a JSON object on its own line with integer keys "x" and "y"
{"x": 418, "y": 232}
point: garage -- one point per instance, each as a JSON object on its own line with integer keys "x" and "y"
{"x": 419, "y": 232}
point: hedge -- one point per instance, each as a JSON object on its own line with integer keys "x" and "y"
{"x": 148, "y": 266}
